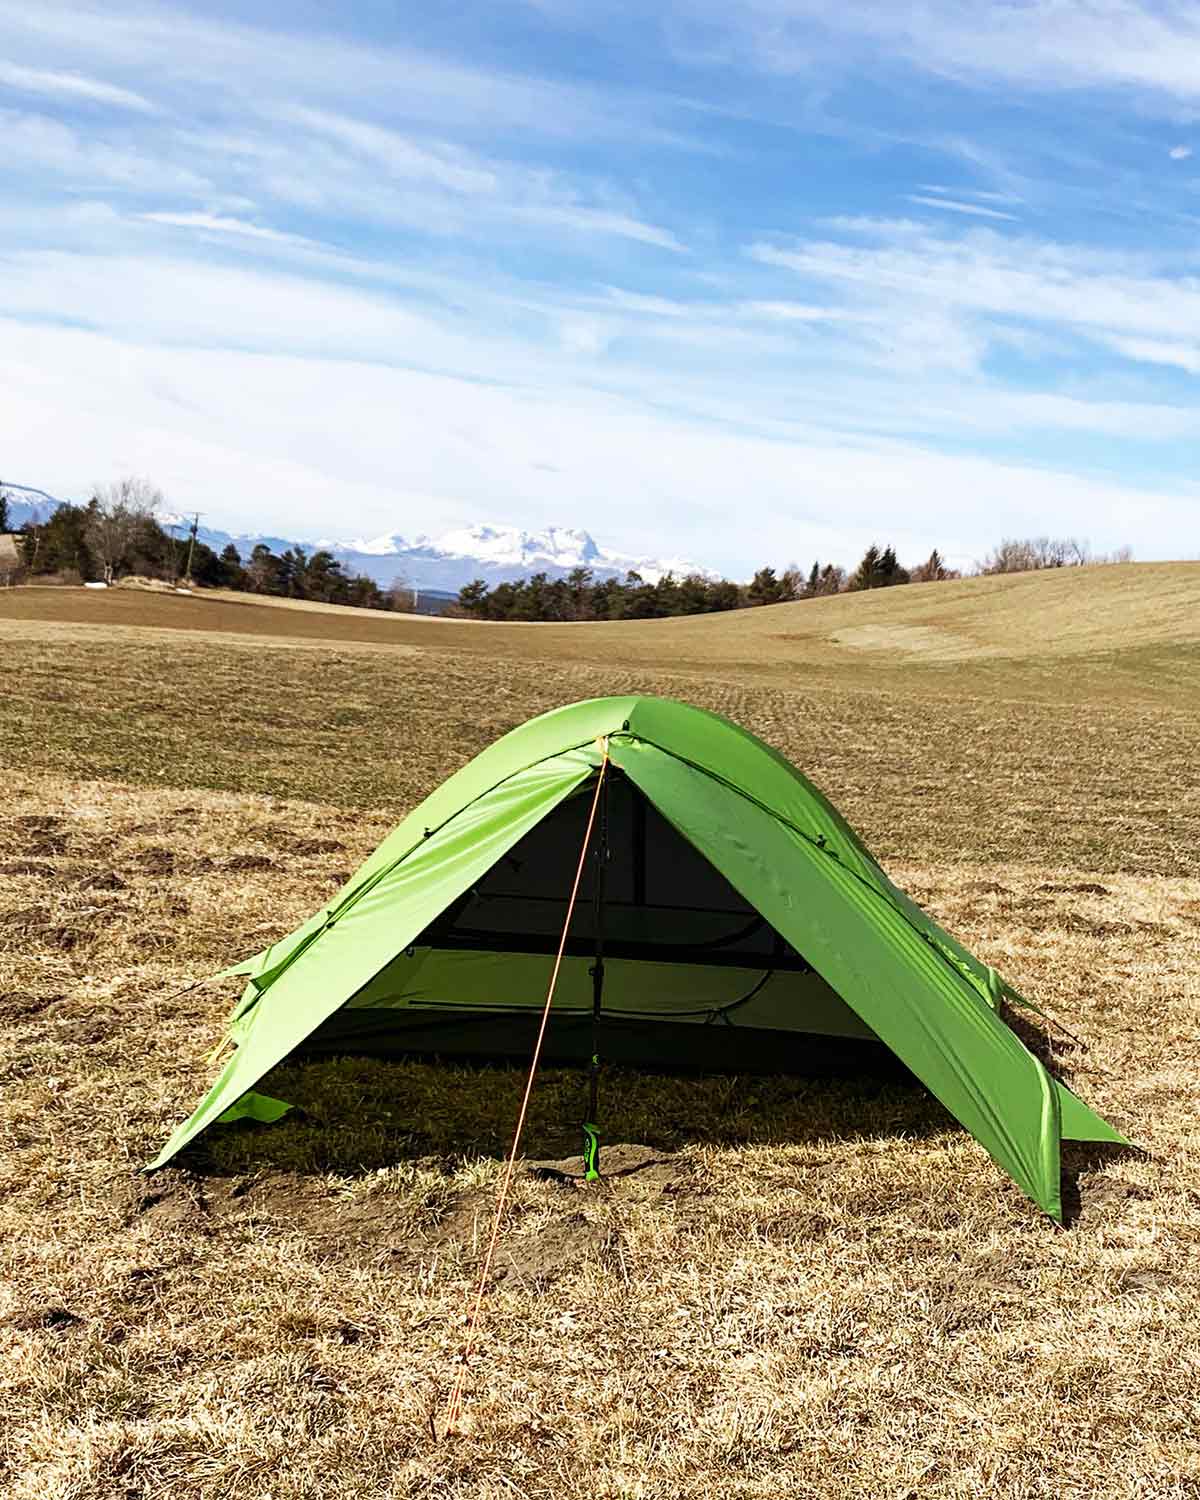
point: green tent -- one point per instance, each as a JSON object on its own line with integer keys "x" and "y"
{"x": 728, "y": 919}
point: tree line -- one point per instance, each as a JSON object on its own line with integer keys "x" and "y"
{"x": 117, "y": 534}
{"x": 583, "y": 596}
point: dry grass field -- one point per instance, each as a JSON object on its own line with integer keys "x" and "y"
{"x": 785, "y": 1286}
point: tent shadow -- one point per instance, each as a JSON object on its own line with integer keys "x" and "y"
{"x": 1082, "y": 1200}
{"x": 1060, "y": 1055}
{"x": 1055, "y": 1051}
{"x": 354, "y": 1116}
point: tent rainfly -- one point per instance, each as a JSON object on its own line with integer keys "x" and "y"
{"x": 729, "y": 918}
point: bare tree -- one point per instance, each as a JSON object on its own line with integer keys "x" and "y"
{"x": 1028, "y": 554}
{"x": 403, "y": 595}
{"x": 118, "y": 517}
{"x": 11, "y": 561}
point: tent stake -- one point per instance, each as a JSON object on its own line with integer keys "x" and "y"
{"x": 591, "y": 1127}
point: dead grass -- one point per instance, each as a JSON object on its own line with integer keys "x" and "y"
{"x": 786, "y": 1287}
{"x": 1106, "y": 784}
{"x": 1081, "y": 635}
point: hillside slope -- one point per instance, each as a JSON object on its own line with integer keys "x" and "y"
{"x": 1054, "y": 632}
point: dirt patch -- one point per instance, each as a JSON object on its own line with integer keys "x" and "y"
{"x": 102, "y": 880}
{"x": 26, "y": 867}
{"x": 558, "y": 1247}
{"x": 317, "y": 846}
{"x": 615, "y": 1161}
{"x": 367, "y": 1225}
{"x": 19, "y": 1004}
{"x": 1080, "y": 888}
{"x": 155, "y": 861}
{"x": 36, "y": 823}
{"x": 59, "y": 1319}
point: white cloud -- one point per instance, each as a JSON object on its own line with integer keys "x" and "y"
{"x": 1045, "y": 44}
{"x": 1160, "y": 352}
{"x": 205, "y": 54}
{"x": 799, "y": 312}
{"x": 1179, "y": 153}
{"x": 583, "y": 220}
{"x": 659, "y": 307}
{"x": 447, "y": 167}
{"x": 519, "y": 193}
{"x": 792, "y": 396}
{"x": 42, "y": 145}
{"x": 221, "y": 224}
{"x": 71, "y": 86}
{"x": 583, "y": 336}
{"x": 402, "y": 449}
{"x": 953, "y": 205}
{"x": 992, "y": 274}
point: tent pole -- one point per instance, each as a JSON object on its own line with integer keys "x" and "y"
{"x": 591, "y": 1128}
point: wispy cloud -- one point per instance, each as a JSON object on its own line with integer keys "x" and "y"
{"x": 221, "y": 224}
{"x": 798, "y": 312}
{"x": 79, "y": 159}
{"x": 956, "y": 206}
{"x": 71, "y": 87}
{"x": 637, "y": 302}
{"x": 1161, "y": 352}
{"x": 506, "y": 188}
{"x": 447, "y": 289}
{"x": 457, "y": 170}
{"x": 196, "y": 54}
{"x": 1179, "y": 153}
{"x": 988, "y": 273}
{"x": 1067, "y": 44}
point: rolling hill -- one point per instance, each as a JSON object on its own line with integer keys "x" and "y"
{"x": 1053, "y": 633}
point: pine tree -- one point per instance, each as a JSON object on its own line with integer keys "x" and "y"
{"x": 473, "y": 597}
{"x": 932, "y": 570}
{"x": 764, "y": 588}
{"x": 866, "y": 575}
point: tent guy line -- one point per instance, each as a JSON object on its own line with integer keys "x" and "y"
{"x": 454, "y": 1408}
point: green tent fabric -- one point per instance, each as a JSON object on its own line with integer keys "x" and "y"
{"x": 743, "y": 922}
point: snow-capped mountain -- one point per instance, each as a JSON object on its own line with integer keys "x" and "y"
{"x": 26, "y": 504}
{"x": 497, "y": 554}
{"x": 442, "y": 564}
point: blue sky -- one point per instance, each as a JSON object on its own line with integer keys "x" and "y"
{"x": 757, "y": 280}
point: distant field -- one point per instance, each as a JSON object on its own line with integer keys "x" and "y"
{"x": 1072, "y": 633}
{"x": 801, "y": 1288}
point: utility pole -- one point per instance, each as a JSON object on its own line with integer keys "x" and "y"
{"x": 187, "y": 571}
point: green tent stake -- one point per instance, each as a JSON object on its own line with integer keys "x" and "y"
{"x": 591, "y": 1152}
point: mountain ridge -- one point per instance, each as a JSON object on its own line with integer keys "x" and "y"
{"x": 494, "y": 552}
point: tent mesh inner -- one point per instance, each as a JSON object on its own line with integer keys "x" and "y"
{"x": 662, "y": 899}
